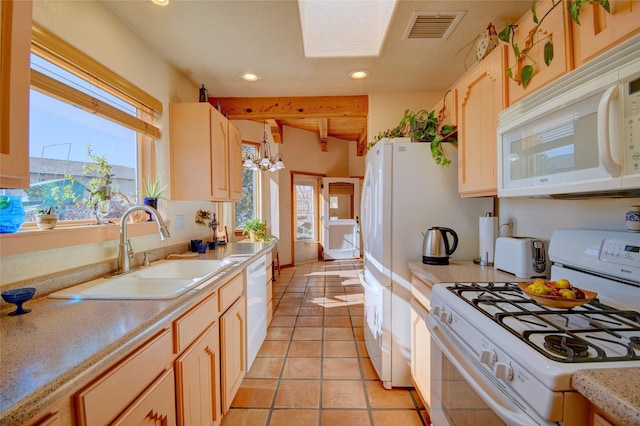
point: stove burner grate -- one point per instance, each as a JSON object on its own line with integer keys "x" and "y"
{"x": 570, "y": 347}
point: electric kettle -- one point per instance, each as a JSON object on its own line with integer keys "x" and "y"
{"x": 436, "y": 248}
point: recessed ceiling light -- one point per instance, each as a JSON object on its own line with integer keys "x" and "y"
{"x": 160, "y": 2}
{"x": 249, "y": 76}
{"x": 359, "y": 74}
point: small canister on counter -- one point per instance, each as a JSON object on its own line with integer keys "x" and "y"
{"x": 633, "y": 219}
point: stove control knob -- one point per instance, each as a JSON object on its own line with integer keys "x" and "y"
{"x": 503, "y": 371}
{"x": 436, "y": 311}
{"x": 488, "y": 358}
{"x": 446, "y": 317}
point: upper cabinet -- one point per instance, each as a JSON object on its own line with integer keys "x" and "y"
{"x": 235, "y": 163}
{"x": 556, "y": 27}
{"x": 599, "y": 30}
{"x": 481, "y": 96}
{"x": 15, "y": 44}
{"x": 201, "y": 164}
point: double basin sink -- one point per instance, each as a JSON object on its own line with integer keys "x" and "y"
{"x": 165, "y": 279}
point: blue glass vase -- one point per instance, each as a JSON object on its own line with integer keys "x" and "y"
{"x": 11, "y": 214}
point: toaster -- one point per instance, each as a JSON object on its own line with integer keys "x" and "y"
{"x": 523, "y": 257}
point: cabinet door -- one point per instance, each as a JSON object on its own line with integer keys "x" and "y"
{"x": 555, "y": 26}
{"x": 219, "y": 155}
{"x": 481, "y": 97}
{"x": 420, "y": 358}
{"x": 198, "y": 381}
{"x": 235, "y": 163}
{"x": 15, "y": 45}
{"x": 155, "y": 407}
{"x": 447, "y": 107}
{"x": 233, "y": 351}
{"x": 599, "y": 30}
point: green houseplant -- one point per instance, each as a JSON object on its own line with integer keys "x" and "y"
{"x": 46, "y": 218}
{"x": 255, "y": 229}
{"x": 523, "y": 73}
{"x": 99, "y": 187}
{"x": 153, "y": 190}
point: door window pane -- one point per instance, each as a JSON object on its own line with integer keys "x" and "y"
{"x": 305, "y": 212}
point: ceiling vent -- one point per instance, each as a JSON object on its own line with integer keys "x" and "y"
{"x": 433, "y": 25}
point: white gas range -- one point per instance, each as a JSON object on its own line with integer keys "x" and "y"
{"x": 519, "y": 356}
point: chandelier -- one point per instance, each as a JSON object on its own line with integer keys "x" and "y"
{"x": 262, "y": 159}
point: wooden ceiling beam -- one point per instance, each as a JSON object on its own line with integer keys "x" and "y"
{"x": 323, "y": 130}
{"x": 276, "y": 129}
{"x": 260, "y": 108}
{"x": 362, "y": 144}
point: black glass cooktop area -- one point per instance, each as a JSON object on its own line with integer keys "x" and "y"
{"x": 593, "y": 332}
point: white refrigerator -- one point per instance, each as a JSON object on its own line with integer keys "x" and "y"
{"x": 404, "y": 194}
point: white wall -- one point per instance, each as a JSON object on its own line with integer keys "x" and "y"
{"x": 92, "y": 28}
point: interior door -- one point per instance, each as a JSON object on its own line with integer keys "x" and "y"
{"x": 305, "y": 214}
{"x": 341, "y": 218}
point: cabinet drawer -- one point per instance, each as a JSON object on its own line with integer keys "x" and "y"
{"x": 269, "y": 261}
{"x": 230, "y": 292}
{"x": 156, "y": 406}
{"x": 109, "y": 395}
{"x": 193, "y": 323}
{"x": 269, "y": 312}
{"x": 269, "y": 291}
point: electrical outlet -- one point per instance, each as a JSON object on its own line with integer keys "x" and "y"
{"x": 179, "y": 222}
{"x": 508, "y": 229}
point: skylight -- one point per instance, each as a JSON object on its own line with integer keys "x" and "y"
{"x": 344, "y": 28}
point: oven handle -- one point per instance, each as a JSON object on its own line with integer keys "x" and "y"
{"x": 493, "y": 398}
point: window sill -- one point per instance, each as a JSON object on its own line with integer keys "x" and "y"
{"x": 31, "y": 239}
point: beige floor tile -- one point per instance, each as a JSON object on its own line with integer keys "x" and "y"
{"x": 303, "y": 348}
{"x": 298, "y": 394}
{"x": 265, "y": 368}
{"x": 309, "y": 321}
{"x": 311, "y": 311}
{"x": 338, "y": 333}
{"x": 357, "y": 321}
{"x": 286, "y": 310}
{"x": 379, "y": 397}
{"x": 290, "y": 302}
{"x": 343, "y": 394}
{"x": 368, "y": 371}
{"x": 359, "y": 333}
{"x": 302, "y": 368}
{"x": 294, "y": 418}
{"x": 245, "y": 417}
{"x": 396, "y": 417}
{"x": 345, "y": 418}
{"x": 340, "y": 348}
{"x": 362, "y": 349}
{"x": 340, "y": 368}
{"x": 273, "y": 348}
{"x": 337, "y": 321}
{"x": 307, "y": 333}
{"x": 255, "y": 393}
{"x": 283, "y": 321}
{"x": 279, "y": 333}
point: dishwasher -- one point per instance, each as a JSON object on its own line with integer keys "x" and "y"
{"x": 256, "y": 291}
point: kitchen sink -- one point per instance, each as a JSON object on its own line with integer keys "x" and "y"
{"x": 162, "y": 280}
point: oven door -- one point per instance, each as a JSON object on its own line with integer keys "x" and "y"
{"x": 463, "y": 393}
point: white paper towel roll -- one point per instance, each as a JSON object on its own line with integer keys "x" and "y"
{"x": 488, "y": 232}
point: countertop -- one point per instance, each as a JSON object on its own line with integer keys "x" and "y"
{"x": 63, "y": 343}
{"x": 613, "y": 390}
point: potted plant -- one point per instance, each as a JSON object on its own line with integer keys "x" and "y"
{"x": 255, "y": 229}
{"x": 46, "y": 218}
{"x": 153, "y": 190}
{"x": 99, "y": 187}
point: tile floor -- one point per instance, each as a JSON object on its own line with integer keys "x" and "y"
{"x": 313, "y": 368}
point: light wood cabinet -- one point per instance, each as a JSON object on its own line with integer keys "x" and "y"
{"x": 599, "y": 31}
{"x": 106, "y": 397}
{"x": 447, "y": 106}
{"x": 556, "y": 26}
{"x": 235, "y": 163}
{"x": 233, "y": 350}
{"x": 420, "y": 349}
{"x": 481, "y": 97}
{"x": 155, "y": 407}
{"x": 269, "y": 283}
{"x": 200, "y": 160}
{"x": 15, "y": 45}
{"x": 198, "y": 381}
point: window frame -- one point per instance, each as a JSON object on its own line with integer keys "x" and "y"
{"x": 237, "y": 231}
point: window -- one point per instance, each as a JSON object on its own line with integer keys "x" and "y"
{"x": 305, "y": 194}
{"x": 247, "y": 207}
{"x": 81, "y": 111}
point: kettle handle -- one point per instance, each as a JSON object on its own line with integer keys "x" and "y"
{"x": 453, "y": 248}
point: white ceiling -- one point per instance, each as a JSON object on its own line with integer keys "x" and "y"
{"x": 212, "y": 41}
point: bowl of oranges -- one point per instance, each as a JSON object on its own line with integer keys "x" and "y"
{"x": 557, "y": 294}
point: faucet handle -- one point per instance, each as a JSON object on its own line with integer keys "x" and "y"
{"x": 129, "y": 249}
{"x": 146, "y": 261}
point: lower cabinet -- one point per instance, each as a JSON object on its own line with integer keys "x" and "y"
{"x": 156, "y": 406}
{"x": 233, "y": 350}
{"x": 198, "y": 381}
{"x": 421, "y": 357}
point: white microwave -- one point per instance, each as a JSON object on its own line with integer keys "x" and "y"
{"x": 579, "y": 136}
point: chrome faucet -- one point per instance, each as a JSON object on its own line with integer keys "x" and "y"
{"x": 125, "y": 253}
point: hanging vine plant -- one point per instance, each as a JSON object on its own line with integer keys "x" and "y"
{"x": 521, "y": 49}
